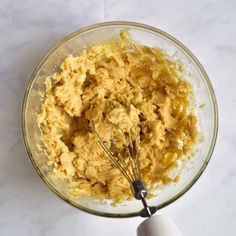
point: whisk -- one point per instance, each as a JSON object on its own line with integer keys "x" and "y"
{"x": 132, "y": 174}
{"x": 152, "y": 226}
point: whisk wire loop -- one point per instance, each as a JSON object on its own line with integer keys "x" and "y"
{"x": 131, "y": 171}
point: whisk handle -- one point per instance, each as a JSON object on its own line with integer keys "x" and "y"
{"x": 158, "y": 226}
{"x": 138, "y": 189}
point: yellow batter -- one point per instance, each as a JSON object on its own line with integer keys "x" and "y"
{"x": 126, "y": 86}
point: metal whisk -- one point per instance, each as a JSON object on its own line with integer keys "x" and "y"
{"x": 132, "y": 174}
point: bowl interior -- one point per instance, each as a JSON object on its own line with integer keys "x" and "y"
{"x": 149, "y": 36}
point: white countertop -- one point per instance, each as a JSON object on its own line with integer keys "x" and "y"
{"x": 27, "y": 31}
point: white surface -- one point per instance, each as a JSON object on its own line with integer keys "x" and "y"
{"x": 29, "y": 28}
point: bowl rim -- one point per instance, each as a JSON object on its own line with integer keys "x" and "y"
{"x": 135, "y": 25}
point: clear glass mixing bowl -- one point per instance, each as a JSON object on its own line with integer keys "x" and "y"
{"x": 149, "y": 36}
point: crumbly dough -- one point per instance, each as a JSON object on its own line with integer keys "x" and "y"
{"x": 119, "y": 85}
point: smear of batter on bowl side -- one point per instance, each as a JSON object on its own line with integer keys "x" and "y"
{"x": 123, "y": 84}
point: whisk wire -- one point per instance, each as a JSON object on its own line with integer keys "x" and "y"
{"x": 126, "y": 166}
{"x": 112, "y": 158}
{"x": 134, "y": 155}
{"x": 129, "y": 155}
{"x": 137, "y": 160}
{"x": 132, "y": 150}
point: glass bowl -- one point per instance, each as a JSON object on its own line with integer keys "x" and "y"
{"x": 149, "y": 36}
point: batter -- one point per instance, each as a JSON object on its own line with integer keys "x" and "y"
{"x": 119, "y": 85}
